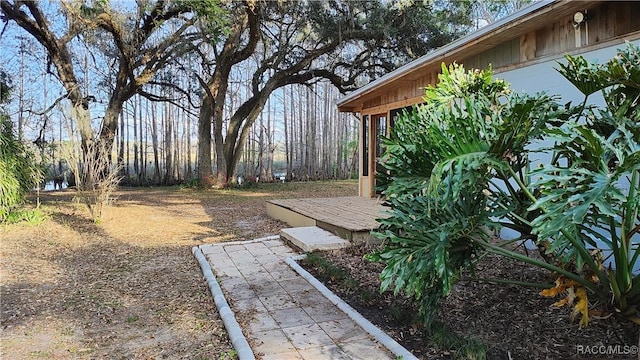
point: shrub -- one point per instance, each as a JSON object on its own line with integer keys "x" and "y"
{"x": 443, "y": 158}
{"x": 460, "y": 167}
{"x": 589, "y": 195}
{"x": 95, "y": 177}
{"x": 19, "y": 173}
{"x": 32, "y": 217}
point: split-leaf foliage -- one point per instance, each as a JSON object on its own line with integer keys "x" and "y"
{"x": 458, "y": 167}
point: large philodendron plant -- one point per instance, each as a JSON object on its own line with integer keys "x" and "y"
{"x": 452, "y": 163}
{"x": 459, "y": 165}
{"x": 589, "y": 200}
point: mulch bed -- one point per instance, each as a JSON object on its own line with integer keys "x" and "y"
{"x": 513, "y": 322}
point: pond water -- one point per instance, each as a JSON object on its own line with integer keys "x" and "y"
{"x": 49, "y": 186}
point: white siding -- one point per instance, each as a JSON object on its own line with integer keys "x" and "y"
{"x": 544, "y": 77}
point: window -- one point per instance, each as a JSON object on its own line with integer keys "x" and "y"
{"x": 381, "y": 130}
{"x": 365, "y": 145}
{"x": 380, "y": 122}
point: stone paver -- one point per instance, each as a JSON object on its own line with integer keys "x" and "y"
{"x": 312, "y": 238}
{"x": 307, "y": 336}
{"x": 282, "y": 315}
{"x": 343, "y": 330}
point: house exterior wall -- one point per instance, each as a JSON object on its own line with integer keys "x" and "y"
{"x": 505, "y": 54}
{"x": 604, "y": 21}
{"x": 526, "y": 60}
{"x": 547, "y": 38}
{"x": 543, "y": 77}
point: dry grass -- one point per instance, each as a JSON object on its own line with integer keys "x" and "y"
{"x": 129, "y": 286}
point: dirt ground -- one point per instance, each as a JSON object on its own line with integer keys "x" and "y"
{"x": 128, "y": 287}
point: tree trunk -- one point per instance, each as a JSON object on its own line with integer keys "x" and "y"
{"x": 188, "y": 150}
{"x": 154, "y": 140}
{"x": 176, "y": 147}
{"x": 295, "y": 146}
{"x": 168, "y": 145}
{"x": 270, "y": 148}
{"x": 234, "y": 51}
{"x": 325, "y": 134}
{"x": 339, "y": 143}
{"x": 204, "y": 169}
{"x": 304, "y": 150}
{"x": 262, "y": 158}
{"x": 121, "y": 141}
{"x": 110, "y": 124}
{"x": 286, "y": 135}
{"x": 142, "y": 177}
{"x": 21, "y": 93}
{"x": 136, "y": 160}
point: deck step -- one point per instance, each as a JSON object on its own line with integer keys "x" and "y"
{"x": 310, "y": 238}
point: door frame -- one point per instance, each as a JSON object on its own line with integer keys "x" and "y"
{"x": 370, "y": 123}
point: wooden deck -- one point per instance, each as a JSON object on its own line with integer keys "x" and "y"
{"x": 349, "y": 217}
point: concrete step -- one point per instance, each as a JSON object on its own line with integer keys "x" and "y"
{"x": 312, "y": 238}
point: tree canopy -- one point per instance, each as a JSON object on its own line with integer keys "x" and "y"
{"x": 136, "y": 43}
{"x": 346, "y": 43}
{"x": 147, "y": 48}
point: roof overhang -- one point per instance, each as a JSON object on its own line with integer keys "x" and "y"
{"x": 521, "y": 22}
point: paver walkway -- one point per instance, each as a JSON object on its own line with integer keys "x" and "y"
{"x": 281, "y": 314}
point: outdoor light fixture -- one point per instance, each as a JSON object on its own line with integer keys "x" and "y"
{"x": 578, "y": 18}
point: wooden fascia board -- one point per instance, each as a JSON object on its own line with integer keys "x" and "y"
{"x": 394, "y": 105}
{"x": 349, "y": 109}
{"x": 470, "y": 47}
